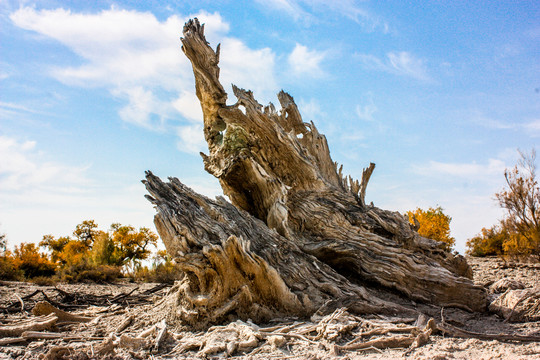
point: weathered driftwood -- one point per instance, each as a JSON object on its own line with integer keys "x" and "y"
{"x": 517, "y": 305}
{"x": 36, "y": 324}
{"x": 124, "y": 324}
{"x": 45, "y": 308}
{"x": 235, "y": 264}
{"x": 298, "y": 233}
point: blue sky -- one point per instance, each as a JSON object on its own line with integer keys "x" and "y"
{"x": 439, "y": 95}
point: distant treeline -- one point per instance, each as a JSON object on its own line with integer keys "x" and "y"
{"x": 93, "y": 254}
{"x": 89, "y": 254}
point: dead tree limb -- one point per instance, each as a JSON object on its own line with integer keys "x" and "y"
{"x": 45, "y": 308}
{"x": 36, "y": 324}
{"x": 298, "y": 232}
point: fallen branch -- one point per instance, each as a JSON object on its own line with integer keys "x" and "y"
{"x": 45, "y": 308}
{"x": 293, "y": 335}
{"x": 120, "y": 297}
{"x": 37, "y": 324}
{"x": 156, "y": 288}
{"x": 29, "y": 335}
{"x": 32, "y": 335}
{"x": 380, "y": 343}
{"x": 124, "y": 324}
{"x": 12, "y": 340}
{"x": 416, "y": 338}
{"x": 454, "y": 331}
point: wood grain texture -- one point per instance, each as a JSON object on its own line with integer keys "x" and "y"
{"x": 298, "y": 232}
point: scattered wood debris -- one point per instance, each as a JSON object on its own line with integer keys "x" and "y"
{"x": 119, "y": 331}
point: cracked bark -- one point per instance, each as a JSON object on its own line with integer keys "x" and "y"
{"x": 298, "y": 234}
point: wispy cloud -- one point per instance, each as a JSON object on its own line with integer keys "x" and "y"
{"x": 24, "y": 168}
{"x": 491, "y": 123}
{"x": 533, "y": 126}
{"x": 494, "y": 167}
{"x": 10, "y": 107}
{"x": 308, "y": 11}
{"x": 188, "y": 105}
{"x": 289, "y": 7}
{"x": 248, "y": 68}
{"x": 530, "y": 127}
{"x": 310, "y": 110}
{"x": 365, "y": 111}
{"x": 191, "y": 138}
{"x": 400, "y": 63}
{"x": 306, "y": 62}
{"x": 137, "y": 58}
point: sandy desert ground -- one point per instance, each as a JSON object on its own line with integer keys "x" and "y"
{"x": 128, "y": 321}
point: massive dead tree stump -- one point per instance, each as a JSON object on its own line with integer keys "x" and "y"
{"x": 298, "y": 234}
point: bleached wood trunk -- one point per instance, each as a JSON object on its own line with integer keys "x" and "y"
{"x": 298, "y": 233}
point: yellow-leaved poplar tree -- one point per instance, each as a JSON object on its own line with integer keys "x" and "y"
{"x": 434, "y": 224}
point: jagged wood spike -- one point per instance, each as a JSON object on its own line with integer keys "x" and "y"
{"x": 366, "y": 175}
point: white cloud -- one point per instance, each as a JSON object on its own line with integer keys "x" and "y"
{"x": 494, "y": 167}
{"x": 17, "y": 108}
{"x": 24, "y": 168}
{"x": 191, "y": 139}
{"x": 310, "y": 110}
{"x": 142, "y": 104}
{"x": 530, "y": 127}
{"x": 399, "y": 63}
{"x": 106, "y": 39}
{"x": 533, "y": 126}
{"x": 405, "y": 63}
{"x": 290, "y": 7}
{"x": 40, "y": 196}
{"x": 189, "y": 106}
{"x": 303, "y": 10}
{"x": 138, "y": 59}
{"x": 248, "y": 68}
{"x": 366, "y": 111}
{"x": 492, "y": 123}
{"x": 306, "y": 62}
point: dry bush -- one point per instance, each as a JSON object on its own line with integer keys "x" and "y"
{"x": 86, "y": 271}
{"x": 518, "y": 234}
{"x": 163, "y": 270}
{"x": 488, "y": 243}
{"x": 31, "y": 262}
{"x": 8, "y": 270}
